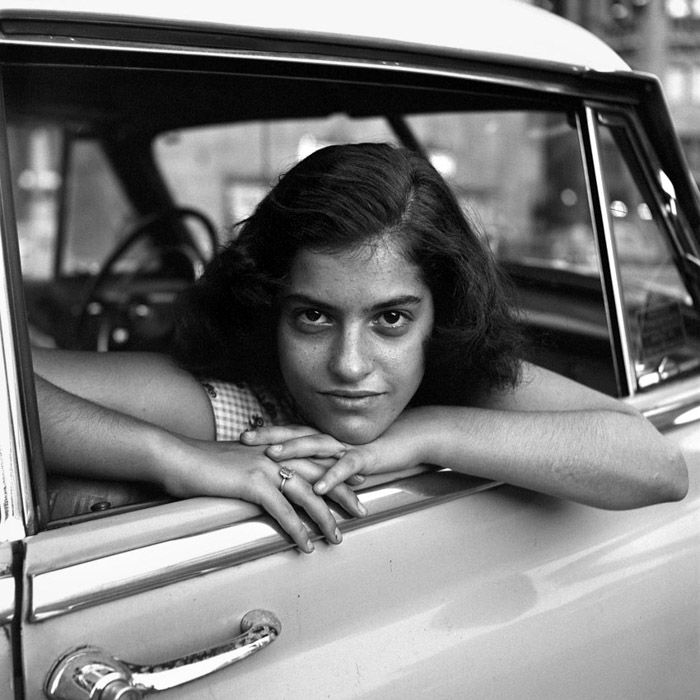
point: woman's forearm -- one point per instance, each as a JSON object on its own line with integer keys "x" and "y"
{"x": 148, "y": 386}
{"x": 602, "y": 457}
{"x": 610, "y": 459}
{"x": 82, "y": 438}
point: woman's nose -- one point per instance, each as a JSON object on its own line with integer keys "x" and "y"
{"x": 350, "y": 359}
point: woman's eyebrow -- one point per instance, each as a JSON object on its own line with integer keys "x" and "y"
{"x": 298, "y": 298}
{"x": 401, "y": 300}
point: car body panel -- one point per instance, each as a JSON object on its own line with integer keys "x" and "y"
{"x": 483, "y": 33}
{"x": 502, "y": 582}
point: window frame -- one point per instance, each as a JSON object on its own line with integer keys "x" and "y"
{"x": 672, "y": 224}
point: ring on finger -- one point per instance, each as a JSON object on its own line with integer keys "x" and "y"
{"x": 285, "y": 474}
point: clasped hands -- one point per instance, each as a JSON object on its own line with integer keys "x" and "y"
{"x": 327, "y": 462}
{"x": 323, "y": 467}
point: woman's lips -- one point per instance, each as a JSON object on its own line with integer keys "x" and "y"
{"x": 351, "y": 400}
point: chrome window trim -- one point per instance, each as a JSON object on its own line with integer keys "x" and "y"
{"x": 669, "y": 407}
{"x": 17, "y": 517}
{"x": 15, "y": 511}
{"x": 537, "y": 86}
{"x": 674, "y": 414}
{"x": 605, "y": 242}
{"x": 60, "y": 591}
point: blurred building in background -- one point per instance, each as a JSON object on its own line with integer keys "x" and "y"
{"x": 656, "y": 36}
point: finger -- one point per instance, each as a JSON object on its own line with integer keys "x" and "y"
{"x": 299, "y": 491}
{"x": 343, "y": 495}
{"x": 323, "y": 463}
{"x": 346, "y": 498}
{"x": 326, "y": 463}
{"x": 283, "y": 512}
{"x": 268, "y": 435}
{"x": 348, "y": 465}
{"x": 319, "y": 445}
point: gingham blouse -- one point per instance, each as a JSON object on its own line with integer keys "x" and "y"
{"x": 241, "y": 407}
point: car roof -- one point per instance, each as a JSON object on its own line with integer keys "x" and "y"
{"x": 510, "y": 30}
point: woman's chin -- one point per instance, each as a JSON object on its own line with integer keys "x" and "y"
{"x": 355, "y": 432}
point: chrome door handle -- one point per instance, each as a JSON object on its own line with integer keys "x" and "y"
{"x": 89, "y": 673}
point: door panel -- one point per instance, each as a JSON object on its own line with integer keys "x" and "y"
{"x": 483, "y": 591}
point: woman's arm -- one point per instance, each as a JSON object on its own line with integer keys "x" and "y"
{"x": 82, "y": 438}
{"x": 144, "y": 385}
{"x": 549, "y": 434}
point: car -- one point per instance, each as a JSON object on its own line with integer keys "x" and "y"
{"x": 134, "y": 135}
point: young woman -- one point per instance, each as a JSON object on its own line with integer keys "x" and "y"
{"x": 357, "y": 325}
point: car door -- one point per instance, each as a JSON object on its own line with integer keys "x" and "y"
{"x": 447, "y": 585}
{"x": 451, "y": 585}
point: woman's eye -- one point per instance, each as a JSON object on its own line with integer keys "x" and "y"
{"x": 312, "y": 317}
{"x": 392, "y": 320}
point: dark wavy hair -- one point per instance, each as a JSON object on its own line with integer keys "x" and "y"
{"x": 338, "y": 198}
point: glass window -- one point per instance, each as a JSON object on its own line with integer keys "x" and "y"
{"x": 35, "y": 164}
{"x": 676, "y": 83}
{"x": 520, "y": 176}
{"x": 97, "y": 211}
{"x": 662, "y": 320}
{"x": 677, "y": 9}
{"x": 695, "y": 84}
{"x": 226, "y": 169}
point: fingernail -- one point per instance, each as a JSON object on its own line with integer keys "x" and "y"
{"x": 275, "y": 449}
{"x": 248, "y": 434}
{"x": 337, "y": 536}
{"x": 320, "y": 487}
{"x": 309, "y": 546}
{"x": 361, "y": 508}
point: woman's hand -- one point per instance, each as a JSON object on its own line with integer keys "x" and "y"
{"x": 399, "y": 447}
{"x": 230, "y": 469}
{"x": 300, "y": 441}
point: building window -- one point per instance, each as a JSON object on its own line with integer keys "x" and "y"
{"x": 679, "y": 9}
{"x": 695, "y": 84}
{"x": 682, "y": 9}
{"x": 691, "y": 148}
{"x": 676, "y": 83}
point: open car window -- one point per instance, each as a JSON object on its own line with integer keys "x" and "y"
{"x": 515, "y": 167}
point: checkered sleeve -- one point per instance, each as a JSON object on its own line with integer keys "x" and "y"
{"x": 236, "y": 408}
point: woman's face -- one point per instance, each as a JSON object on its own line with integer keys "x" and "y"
{"x": 351, "y": 338}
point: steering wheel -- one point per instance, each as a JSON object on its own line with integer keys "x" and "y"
{"x": 118, "y": 316}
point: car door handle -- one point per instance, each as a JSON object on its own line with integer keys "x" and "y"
{"x": 89, "y": 673}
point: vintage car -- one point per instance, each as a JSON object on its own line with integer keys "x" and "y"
{"x": 133, "y": 136}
